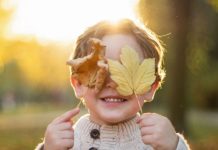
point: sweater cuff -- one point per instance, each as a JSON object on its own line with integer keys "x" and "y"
{"x": 182, "y": 144}
{"x": 40, "y": 146}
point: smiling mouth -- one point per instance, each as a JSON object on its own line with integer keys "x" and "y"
{"x": 114, "y": 100}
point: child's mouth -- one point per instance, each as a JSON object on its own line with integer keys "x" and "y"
{"x": 113, "y": 100}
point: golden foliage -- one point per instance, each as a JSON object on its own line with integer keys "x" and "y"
{"x": 39, "y": 65}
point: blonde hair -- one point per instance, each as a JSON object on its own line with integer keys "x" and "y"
{"x": 149, "y": 42}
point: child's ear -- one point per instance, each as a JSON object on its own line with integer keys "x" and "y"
{"x": 79, "y": 89}
{"x": 150, "y": 94}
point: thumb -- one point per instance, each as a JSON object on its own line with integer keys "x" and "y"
{"x": 67, "y": 116}
{"x": 138, "y": 119}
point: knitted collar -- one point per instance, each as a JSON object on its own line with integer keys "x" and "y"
{"x": 126, "y": 130}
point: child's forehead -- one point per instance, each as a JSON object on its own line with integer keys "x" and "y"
{"x": 114, "y": 43}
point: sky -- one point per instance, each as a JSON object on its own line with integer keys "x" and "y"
{"x": 65, "y": 19}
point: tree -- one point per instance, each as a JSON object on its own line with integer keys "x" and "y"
{"x": 171, "y": 17}
{"x": 178, "y": 69}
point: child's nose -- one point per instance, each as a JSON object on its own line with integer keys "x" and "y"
{"x": 110, "y": 83}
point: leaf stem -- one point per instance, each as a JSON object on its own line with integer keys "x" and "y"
{"x": 138, "y": 103}
{"x": 78, "y": 105}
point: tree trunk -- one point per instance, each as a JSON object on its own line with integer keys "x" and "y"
{"x": 178, "y": 70}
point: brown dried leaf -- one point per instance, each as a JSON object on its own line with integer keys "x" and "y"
{"x": 92, "y": 69}
{"x": 101, "y": 75}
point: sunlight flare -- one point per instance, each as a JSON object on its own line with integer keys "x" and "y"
{"x": 66, "y": 19}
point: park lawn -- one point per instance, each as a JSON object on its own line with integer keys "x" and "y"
{"x": 23, "y": 131}
{"x": 24, "y": 128}
{"x": 17, "y": 139}
{"x": 203, "y": 127}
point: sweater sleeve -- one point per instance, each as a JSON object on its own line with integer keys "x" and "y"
{"x": 182, "y": 144}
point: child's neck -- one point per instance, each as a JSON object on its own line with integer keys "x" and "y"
{"x": 102, "y": 122}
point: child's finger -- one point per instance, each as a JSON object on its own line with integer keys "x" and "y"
{"x": 66, "y": 116}
{"x": 66, "y": 134}
{"x": 64, "y": 126}
{"x": 137, "y": 119}
{"x": 67, "y": 143}
{"x": 147, "y": 130}
{"x": 145, "y": 123}
{"x": 148, "y": 140}
{"x": 146, "y": 119}
{"x": 143, "y": 116}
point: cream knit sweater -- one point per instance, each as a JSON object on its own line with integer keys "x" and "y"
{"x": 124, "y": 136}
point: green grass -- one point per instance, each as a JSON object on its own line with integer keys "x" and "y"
{"x": 16, "y": 139}
{"x": 23, "y": 131}
{"x": 24, "y": 127}
{"x": 203, "y": 127}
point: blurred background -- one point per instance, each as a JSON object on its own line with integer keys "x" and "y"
{"x": 36, "y": 39}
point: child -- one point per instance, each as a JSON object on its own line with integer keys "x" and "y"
{"x": 114, "y": 69}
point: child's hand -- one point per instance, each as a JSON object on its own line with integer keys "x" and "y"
{"x": 59, "y": 134}
{"x": 157, "y": 131}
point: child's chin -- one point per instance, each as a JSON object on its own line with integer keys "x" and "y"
{"x": 111, "y": 119}
{"x": 112, "y": 122}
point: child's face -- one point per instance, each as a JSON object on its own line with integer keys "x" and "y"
{"x": 108, "y": 106}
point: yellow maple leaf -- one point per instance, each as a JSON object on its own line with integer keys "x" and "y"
{"x": 131, "y": 76}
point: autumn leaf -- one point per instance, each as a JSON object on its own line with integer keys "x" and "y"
{"x": 91, "y": 70}
{"x": 131, "y": 76}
